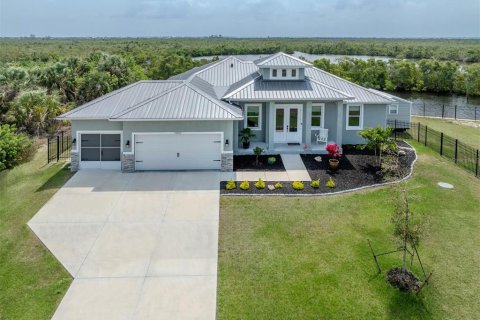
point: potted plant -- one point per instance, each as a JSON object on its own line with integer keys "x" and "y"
{"x": 245, "y": 136}
{"x": 334, "y": 154}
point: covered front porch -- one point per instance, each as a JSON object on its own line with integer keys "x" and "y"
{"x": 294, "y": 127}
{"x": 284, "y": 148}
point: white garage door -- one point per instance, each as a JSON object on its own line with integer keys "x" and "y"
{"x": 179, "y": 151}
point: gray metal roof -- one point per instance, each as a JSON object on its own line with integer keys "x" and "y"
{"x": 281, "y": 60}
{"x": 227, "y": 72}
{"x": 119, "y": 100}
{"x": 361, "y": 94}
{"x": 184, "y": 102}
{"x": 390, "y": 96}
{"x": 260, "y": 90}
{"x": 197, "y": 93}
{"x": 187, "y": 74}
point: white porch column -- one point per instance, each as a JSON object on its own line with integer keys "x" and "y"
{"x": 271, "y": 125}
{"x": 307, "y": 124}
{"x": 339, "y": 123}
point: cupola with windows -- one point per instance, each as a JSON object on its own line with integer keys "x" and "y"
{"x": 282, "y": 66}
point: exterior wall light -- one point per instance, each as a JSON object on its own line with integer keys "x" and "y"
{"x": 227, "y": 142}
{"x": 128, "y": 143}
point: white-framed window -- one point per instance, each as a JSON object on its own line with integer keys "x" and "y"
{"x": 393, "y": 109}
{"x": 294, "y": 73}
{"x": 284, "y": 73}
{"x": 354, "y": 117}
{"x": 274, "y": 73}
{"x": 253, "y": 116}
{"x": 318, "y": 114}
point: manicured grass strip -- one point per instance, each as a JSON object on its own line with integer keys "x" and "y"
{"x": 456, "y": 129}
{"x": 308, "y": 258}
{"x": 32, "y": 281}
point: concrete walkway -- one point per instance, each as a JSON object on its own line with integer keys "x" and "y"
{"x": 295, "y": 168}
{"x": 139, "y": 246}
{"x": 294, "y": 171}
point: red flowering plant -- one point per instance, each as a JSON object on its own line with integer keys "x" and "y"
{"x": 333, "y": 151}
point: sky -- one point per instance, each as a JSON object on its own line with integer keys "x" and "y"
{"x": 240, "y": 18}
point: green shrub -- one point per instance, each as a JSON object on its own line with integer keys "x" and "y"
{"x": 245, "y": 185}
{"x": 14, "y": 148}
{"x": 260, "y": 184}
{"x": 231, "y": 185}
{"x": 315, "y": 183}
{"x": 298, "y": 185}
{"x": 271, "y": 160}
{"x": 330, "y": 183}
{"x": 278, "y": 185}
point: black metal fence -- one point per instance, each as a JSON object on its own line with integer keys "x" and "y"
{"x": 447, "y": 112}
{"x": 462, "y": 154}
{"x": 59, "y": 147}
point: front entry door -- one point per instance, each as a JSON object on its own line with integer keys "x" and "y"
{"x": 288, "y": 124}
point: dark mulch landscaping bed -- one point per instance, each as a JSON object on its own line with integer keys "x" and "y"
{"x": 247, "y": 163}
{"x": 357, "y": 169}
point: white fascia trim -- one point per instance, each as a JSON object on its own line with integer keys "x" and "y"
{"x": 360, "y": 127}
{"x": 69, "y": 119}
{"x": 260, "y": 118}
{"x": 183, "y": 119}
{"x": 289, "y": 99}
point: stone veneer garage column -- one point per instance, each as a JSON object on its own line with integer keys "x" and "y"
{"x": 128, "y": 162}
{"x": 227, "y": 161}
{"x": 74, "y": 161}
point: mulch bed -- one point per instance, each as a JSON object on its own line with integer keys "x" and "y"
{"x": 357, "y": 169}
{"x": 403, "y": 280}
{"x": 247, "y": 163}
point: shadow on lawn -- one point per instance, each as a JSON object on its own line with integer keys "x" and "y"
{"x": 407, "y": 306}
{"x": 58, "y": 179}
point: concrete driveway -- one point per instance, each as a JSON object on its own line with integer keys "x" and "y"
{"x": 139, "y": 245}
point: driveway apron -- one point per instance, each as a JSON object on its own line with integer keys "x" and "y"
{"x": 139, "y": 246}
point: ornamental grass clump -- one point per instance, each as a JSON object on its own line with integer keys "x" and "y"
{"x": 315, "y": 184}
{"x": 231, "y": 185}
{"x": 245, "y": 185}
{"x": 330, "y": 183}
{"x": 260, "y": 184}
{"x": 278, "y": 185}
{"x": 298, "y": 185}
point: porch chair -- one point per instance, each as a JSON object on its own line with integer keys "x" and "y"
{"x": 322, "y": 136}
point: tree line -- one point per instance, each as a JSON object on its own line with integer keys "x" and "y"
{"x": 46, "y": 49}
{"x": 405, "y": 75}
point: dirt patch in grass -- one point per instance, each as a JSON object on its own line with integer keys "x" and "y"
{"x": 247, "y": 163}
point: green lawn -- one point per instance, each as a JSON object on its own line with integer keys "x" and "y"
{"x": 308, "y": 258}
{"x": 460, "y": 130}
{"x": 32, "y": 281}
